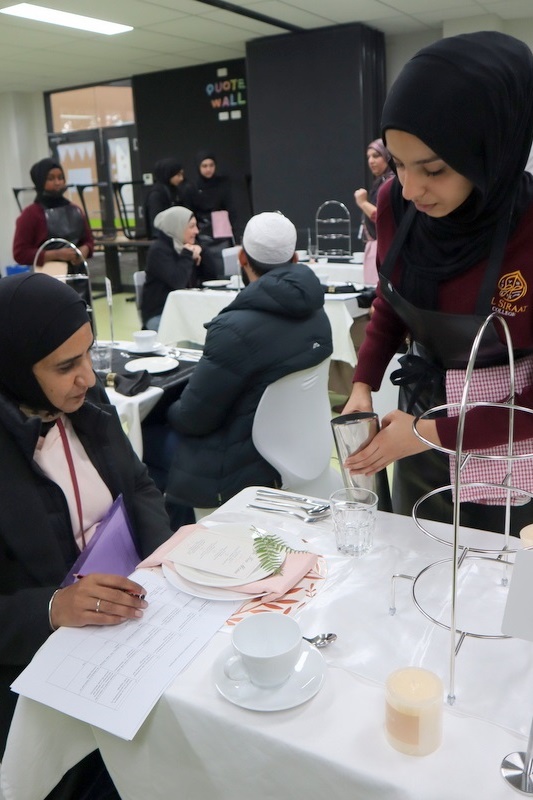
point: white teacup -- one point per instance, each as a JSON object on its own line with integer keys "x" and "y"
{"x": 236, "y": 282}
{"x": 267, "y": 647}
{"x": 145, "y": 340}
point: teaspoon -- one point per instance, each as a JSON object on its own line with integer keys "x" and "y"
{"x": 321, "y": 639}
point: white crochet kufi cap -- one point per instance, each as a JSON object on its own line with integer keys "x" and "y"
{"x": 270, "y": 238}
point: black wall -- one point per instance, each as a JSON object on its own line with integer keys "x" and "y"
{"x": 177, "y": 115}
{"x": 310, "y": 103}
{"x": 315, "y": 101}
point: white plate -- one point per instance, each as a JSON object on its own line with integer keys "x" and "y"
{"x": 132, "y": 347}
{"x": 203, "y": 578}
{"x": 307, "y": 678}
{"x": 204, "y": 592}
{"x": 153, "y": 365}
{"x": 216, "y": 284}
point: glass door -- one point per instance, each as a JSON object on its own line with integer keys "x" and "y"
{"x": 92, "y": 160}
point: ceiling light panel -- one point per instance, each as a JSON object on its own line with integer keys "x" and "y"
{"x": 65, "y": 19}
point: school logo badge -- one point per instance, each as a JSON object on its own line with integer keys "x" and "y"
{"x": 512, "y": 286}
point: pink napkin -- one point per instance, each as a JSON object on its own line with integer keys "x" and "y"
{"x": 295, "y": 566}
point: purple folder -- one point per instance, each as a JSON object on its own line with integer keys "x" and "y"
{"x": 111, "y": 549}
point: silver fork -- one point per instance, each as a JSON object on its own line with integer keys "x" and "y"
{"x": 303, "y": 517}
{"x": 311, "y": 509}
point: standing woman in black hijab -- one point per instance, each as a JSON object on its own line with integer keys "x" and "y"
{"x": 169, "y": 189}
{"x": 455, "y": 243}
{"x": 51, "y": 215}
{"x": 64, "y": 460}
{"x": 213, "y": 193}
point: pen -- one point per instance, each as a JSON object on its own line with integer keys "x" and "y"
{"x": 79, "y": 576}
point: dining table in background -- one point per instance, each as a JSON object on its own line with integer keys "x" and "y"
{"x": 187, "y": 310}
{"x": 196, "y": 744}
{"x": 163, "y": 390}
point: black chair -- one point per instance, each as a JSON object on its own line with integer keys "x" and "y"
{"x": 131, "y": 208}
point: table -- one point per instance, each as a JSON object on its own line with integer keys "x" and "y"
{"x": 112, "y": 247}
{"x": 196, "y": 745}
{"x": 164, "y": 389}
{"x": 340, "y": 272}
{"x": 186, "y": 311}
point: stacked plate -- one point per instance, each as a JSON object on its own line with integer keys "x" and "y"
{"x": 227, "y": 552}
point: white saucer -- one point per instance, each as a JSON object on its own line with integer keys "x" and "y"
{"x": 218, "y": 284}
{"x": 153, "y": 365}
{"x": 203, "y": 592}
{"x": 305, "y": 681}
{"x": 132, "y": 347}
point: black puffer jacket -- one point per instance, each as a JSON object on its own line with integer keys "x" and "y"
{"x": 277, "y": 325}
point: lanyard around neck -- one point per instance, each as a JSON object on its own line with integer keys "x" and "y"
{"x": 73, "y": 477}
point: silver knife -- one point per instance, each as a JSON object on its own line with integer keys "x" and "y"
{"x": 283, "y": 495}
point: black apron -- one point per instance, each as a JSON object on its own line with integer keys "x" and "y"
{"x": 64, "y": 222}
{"x": 441, "y": 341}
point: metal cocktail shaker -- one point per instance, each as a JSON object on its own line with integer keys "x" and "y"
{"x": 352, "y": 432}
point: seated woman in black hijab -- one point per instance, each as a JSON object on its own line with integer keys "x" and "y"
{"x": 65, "y": 459}
{"x": 50, "y": 216}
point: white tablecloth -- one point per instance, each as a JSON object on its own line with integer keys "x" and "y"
{"x": 340, "y": 272}
{"x": 186, "y": 311}
{"x": 132, "y": 410}
{"x": 196, "y": 745}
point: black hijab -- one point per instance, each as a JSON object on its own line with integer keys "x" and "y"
{"x": 206, "y": 183}
{"x": 37, "y": 314}
{"x": 38, "y": 174}
{"x": 469, "y": 99}
{"x": 165, "y": 169}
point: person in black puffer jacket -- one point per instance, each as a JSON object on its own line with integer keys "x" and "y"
{"x": 276, "y": 325}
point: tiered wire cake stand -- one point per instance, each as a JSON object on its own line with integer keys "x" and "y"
{"x": 517, "y": 767}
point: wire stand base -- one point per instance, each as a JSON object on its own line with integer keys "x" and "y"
{"x": 514, "y": 772}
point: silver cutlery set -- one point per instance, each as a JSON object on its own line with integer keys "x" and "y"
{"x": 295, "y": 505}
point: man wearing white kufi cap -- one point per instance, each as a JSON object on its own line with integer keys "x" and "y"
{"x": 276, "y": 325}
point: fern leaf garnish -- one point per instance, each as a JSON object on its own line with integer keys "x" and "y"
{"x": 268, "y": 548}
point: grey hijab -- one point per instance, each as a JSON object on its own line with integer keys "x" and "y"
{"x": 173, "y": 222}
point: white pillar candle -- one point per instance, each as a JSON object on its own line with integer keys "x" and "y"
{"x": 526, "y": 534}
{"x": 413, "y": 705}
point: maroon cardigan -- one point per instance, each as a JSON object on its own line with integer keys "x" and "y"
{"x": 31, "y": 231}
{"x": 385, "y": 331}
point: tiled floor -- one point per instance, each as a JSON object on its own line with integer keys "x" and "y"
{"x": 125, "y": 316}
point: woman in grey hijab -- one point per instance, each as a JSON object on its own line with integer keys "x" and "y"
{"x": 174, "y": 261}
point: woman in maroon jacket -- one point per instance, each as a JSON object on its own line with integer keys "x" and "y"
{"x": 455, "y": 244}
{"x": 51, "y": 215}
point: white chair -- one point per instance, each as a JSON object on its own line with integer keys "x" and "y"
{"x": 292, "y": 431}
{"x": 139, "y": 279}
{"x": 230, "y": 257}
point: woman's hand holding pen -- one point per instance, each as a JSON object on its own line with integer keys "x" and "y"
{"x": 395, "y": 440}
{"x": 98, "y": 599}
